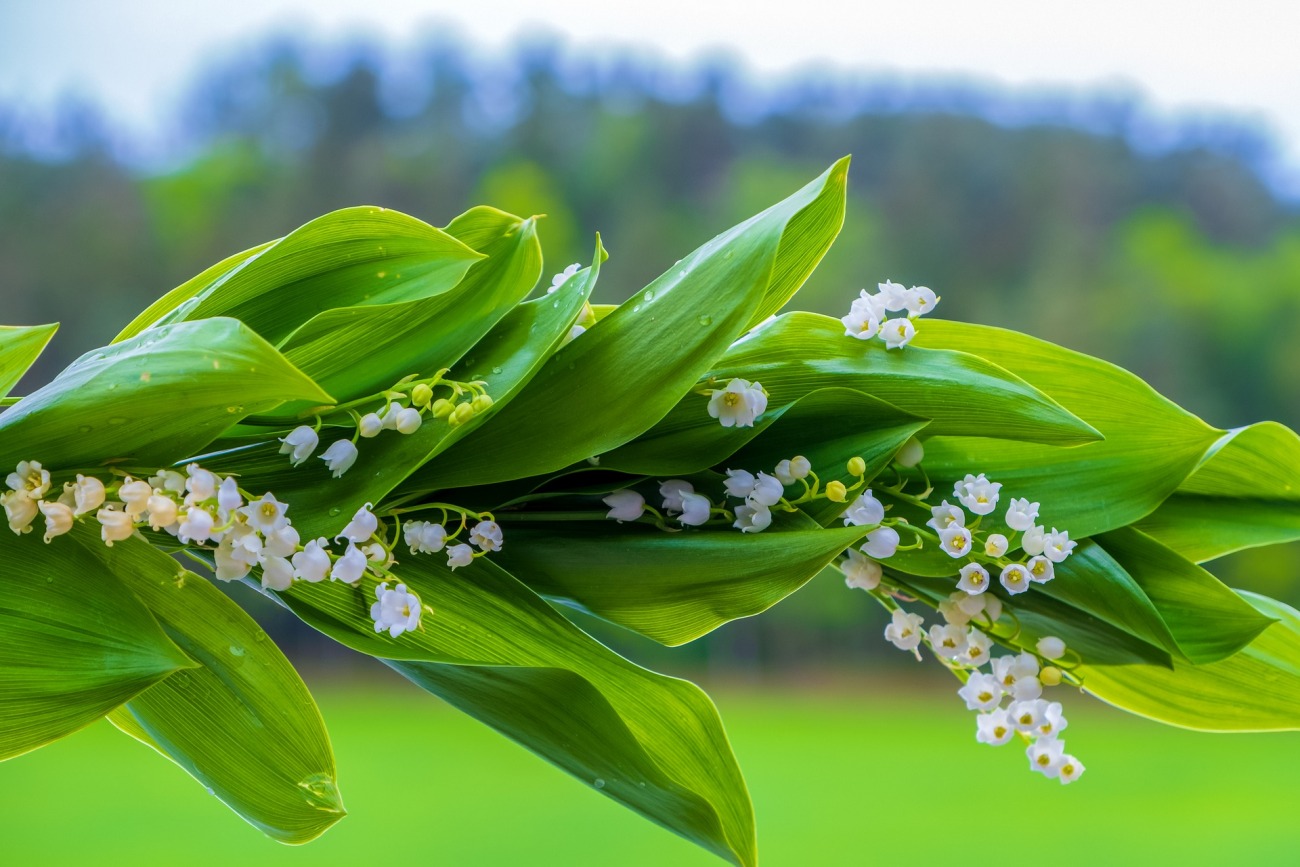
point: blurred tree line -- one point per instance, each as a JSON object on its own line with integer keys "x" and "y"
{"x": 1180, "y": 265}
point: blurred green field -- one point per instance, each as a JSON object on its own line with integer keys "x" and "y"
{"x": 867, "y": 772}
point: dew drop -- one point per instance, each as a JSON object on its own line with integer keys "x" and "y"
{"x": 649, "y": 295}
{"x": 599, "y": 784}
{"x": 334, "y": 511}
{"x": 681, "y": 273}
{"x": 49, "y": 579}
{"x": 259, "y": 636}
{"x": 636, "y": 309}
{"x": 236, "y": 650}
{"x": 706, "y": 320}
{"x": 496, "y": 370}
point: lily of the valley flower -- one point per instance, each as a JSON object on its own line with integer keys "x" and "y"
{"x": 865, "y": 510}
{"x": 1057, "y": 545}
{"x": 1069, "y": 770}
{"x": 58, "y": 519}
{"x": 672, "y": 492}
{"x": 948, "y": 640}
{"x": 1040, "y": 569}
{"x": 977, "y": 493}
{"x": 911, "y": 454}
{"x": 486, "y": 536}
{"x": 994, "y": 728}
{"x": 1015, "y": 578}
{"x": 1046, "y": 755}
{"x": 563, "y": 277}
{"x": 791, "y": 471}
{"x": 162, "y": 511}
{"x": 88, "y": 494}
{"x": 201, "y": 484}
{"x": 277, "y": 573}
{"x": 624, "y": 505}
{"x": 268, "y": 514}
{"x": 944, "y": 516}
{"x": 904, "y": 630}
{"x": 459, "y": 555}
{"x": 1021, "y": 514}
{"x": 996, "y": 545}
{"x": 397, "y": 610}
{"x": 981, "y": 692}
{"x": 974, "y": 579}
{"x": 860, "y": 571}
{"x": 1034, "y": 541}
{"x": 370, "y": 425}
{"x": 312, "y": 563}
{"x": 738, "y": 404}
{"x": 281, "y": 542}
{"x": 361, "y": 527}
{"x": 897, "y": 333}
{"x": 978, "y": 646}
{"x": 863, "y": 319}
{"x": 340, "y": 457}
{"x": 408, "y": 420}
{"x": 30, "y": 478}
{"x": 350, "y": 567}
{"x": 695, "y": 509}
{"x": 115, "y": 524}
{"x": 20, "y": 510}
{"x": 752, "y": 517}
{"x": 424, "y": 537}
{"x": 299, "y": 444}
{"x": 955, "y": 541}
{"x": 197, "y": 526}
{"x": 881, "y": 543}
{"x": 1050, "y": 647}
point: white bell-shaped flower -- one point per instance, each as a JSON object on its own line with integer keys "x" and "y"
{"x": 994, "y": 728}
{"x": 897, "y": 333}
{"x": 955, "y": 541}
{"x": 948, "y": 640}
{"x": 350, "y": 567}
{"x": 115, "y": 525}
{"x": 362, "y": 526}
{"x": 486, "y": 536}
{"x": 1069, "y": 770}
{"x": 861, "y": 571}
{"x": 135, "y": 494}
{"x": 58, "y": 518}
{"x": 563, "y": 277}
{"x": 370, "y": 425}
{"x": 996, "y": 545}
{"x": 89, "y": 494}
{"x": 1015, "y": 578}
{"x": 340, "y": 457}
{"x": 30, "y": 478}
{"x": 267, "y": 514}
{"x": 20, "y": 510}
{"x": 281, "y": 542}
{"x": 408, "y": 420}
{"x": 695, "y": 509}
{"x": 752, "y": 517}
{"x": 161, "y": 511}
{"x": 277, "y": 574}
{"x": 196, "y": 525}
{"x": 299, "y": 444}
{"x": 459, "y": 555}
{"x": 974, "y": 579}
{"x": 1046, "y": 755}
{"x": 881, "y": 543}
{"x": 1057, "y": 545}
{"x": 624, "y": 505}
{"x": 201, "y": 484}
{"x": 1050, "y": 647}
{"x": 1021, "y": 514}
{"x": 739, "y": 404}
{"x": 981, "y": 692}
{"x": 944, "y": 516}
{"x": 864, "y": 510}
{"x": 672, "y": 491}
{"x": 1034, "y": 541}
{"x": 904, "y": 630}
{"x": 920, "y": 300}
{"x": 312, "y": 563}
{"x": 396, "y": 610}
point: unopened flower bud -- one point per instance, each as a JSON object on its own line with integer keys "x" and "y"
{"x": 836, "y": 492}
{"x": 409, "y": 420}
{"x": 1050, "y": 647}
{"x": 464, "y": 412}
{"x": 482, "y": 402}
{"x": 857, "y": 466}
{"x": 421, "y": 395}
{"x": 910, "y": 454}
{"x": 371, "y": 425}
{"x": 442, "y": 408}
{"x": 1050, "y": 676}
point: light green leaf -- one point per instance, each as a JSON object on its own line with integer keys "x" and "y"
{"x": 671, "y": 587}
{"x": 155, "y": 398}
{"x": 1255, "y": 689}
{"x": 74, "y": 642}
{"x": 632, "y": 366}
{"x": 497, "y": 651}
{"x": 19, "y": 347}
{"x": 1150, "y": 447}
{"x": 1244, "y": 495}
{"x": 425, "y": 335}
{"x": 242, "y": 724}
{"x": 798, "y": 353}
{"x": 355, "y": 256}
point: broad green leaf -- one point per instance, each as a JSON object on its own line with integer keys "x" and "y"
{"x": 1246, "y": 494}
{"x": 798, "y": 353}
{"x": 19, "y": 347}
{"x": 1255, "y": 689}
{"x": 1151, "y": 444}
{"x": 829, "y": 421}
{"x": 355, "y": 256}
{"x": 632, "y": 366}
{"x": 155, "y": 398}
{"x": 186, "y": 291}
{"x": 74, "y": 642}
{"x": 506, "y": 358}
{"x": 1206, "y": 618}
{"x": 671, "y": 587}
{"x": 243, "y": 723}
{"x": 493, "y": 648}
{"x": 422, "y": 336}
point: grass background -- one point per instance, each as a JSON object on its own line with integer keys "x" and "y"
{"x": 861, "y": 771}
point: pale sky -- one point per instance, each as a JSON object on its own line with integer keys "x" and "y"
{"x": 1183, "y": 57}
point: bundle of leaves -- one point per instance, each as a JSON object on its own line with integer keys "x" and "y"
{"x": 371, "y": 422}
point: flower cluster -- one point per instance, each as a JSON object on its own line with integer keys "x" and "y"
{"x": 738, "y": 404}
{"x": 1042, "y": 549}
{"x": 427, "y": 537}
{"x": 403, "y": 411}
{"x": 868, "y": 316}
{"x": 205, "y": 510}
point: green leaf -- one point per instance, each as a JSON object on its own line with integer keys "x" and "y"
{"x": 671, "y": 587}
{"x": 76, "y": 643}
{"x": 243, "y": 723}
{"x": 1207, "y": 619}
{"x": 1246, "y": 494}
{"x": 155, "y": 398}
{"x": 355, "y": 256}
{"x": 506, "y": 359}
{"x": 493, "y": 648}
{"x": 425, "y": 335}
{"x": 632, "y": 366}
{"x": 799, "y": 353}
{"x": 844, "y": 421}
{"x": 19, "y": 347}
{"x": 1255, "y": 689}
{"x": 1150, "y": 447}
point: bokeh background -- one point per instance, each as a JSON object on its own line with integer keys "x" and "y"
{"x": 1136, "y": 209}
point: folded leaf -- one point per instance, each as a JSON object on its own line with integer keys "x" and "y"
{"x": 19, "y": 347}
{"x": 633, "y": 366}
{"x": 493, "y": 648}
{"x": 1151, "y": 444}
{"x": 74, "y": 642}
{"x": 354, "y": 256}
{"x": 242, "y": 723}
{"x": 1244, "y": 495}
{"x": 155, "y": 398}
{"x": 1255, "y": 689}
